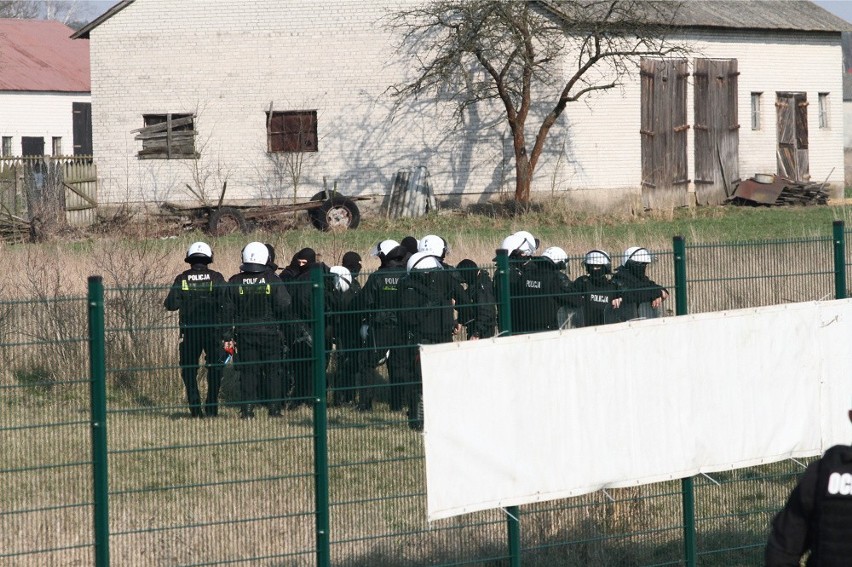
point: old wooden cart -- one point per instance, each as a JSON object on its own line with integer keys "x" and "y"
{"x": 327, "y": 210}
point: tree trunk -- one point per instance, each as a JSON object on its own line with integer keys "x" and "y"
{"x": 523, "y": 178}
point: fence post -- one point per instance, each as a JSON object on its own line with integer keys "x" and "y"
{"x": 320, "y": 420}
{"x": 513, "y": 513}
{"x": 839, "y": 230}
{"x": 97, "y": 410}
{"x": 687, "y": 486}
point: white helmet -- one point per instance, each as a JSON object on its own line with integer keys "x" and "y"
{"x": 556, "y": 255}
{"x": 529, "y": 244}
{"x": 434, "y": 245}
{"x": 255, "y": 253}
{"x": 342, "y": 278}
{"x": 637, "y": 254}
{"x": 597, "y": 258}
{"x": 511, "y": 243}
{"x": 199, "y": 250}
{"x": 383, "y": 247}
{"x": 423, "y": 261}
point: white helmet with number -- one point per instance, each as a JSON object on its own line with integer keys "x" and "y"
{"x": 423, "y": 261}
{"x": 637, "y": 254}
{"x": 383, "y": 248}
{"x": 528, "y": 245}
{"x": 342, "y": 278}
{"x": 556, "y": 255}
{"x": 434, "y": 245}
{"x": 255, "y": 253}
{"x": 199, "y": 251}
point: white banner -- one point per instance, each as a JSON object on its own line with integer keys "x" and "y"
{"x": 537, "y": 417}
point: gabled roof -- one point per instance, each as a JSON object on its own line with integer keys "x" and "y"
{"x": 39, "y": 55}
{"x": 83, "y": 33}
{"x": 780, "y": 15}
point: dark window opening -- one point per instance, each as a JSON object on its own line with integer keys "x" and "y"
{"x": 291, "y": 131}
{"x": 167, "y": 136}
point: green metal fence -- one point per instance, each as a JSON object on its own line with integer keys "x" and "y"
{"x": 104, "y": 465}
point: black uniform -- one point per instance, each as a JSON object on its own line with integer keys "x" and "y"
{"x": 380, "y": 301}
{"x": 427, "y": 318}
{"x": 517, "y": 266}
{"x": 638, "y": 291}
{"x": 256, "y": 305}
{"x": 595, "y": 294}
{"x": 479, "y": 314}
{"x": 541, "y": 292}
{"x": 817, "y": 516}
{"x": 345, "y": 328}
{"x": 198, "y": 294}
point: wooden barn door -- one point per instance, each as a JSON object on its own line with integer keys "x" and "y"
{"x": 792, "y": 150}
{"x": 664, "y": 130}
{"x": 717, "y": 129}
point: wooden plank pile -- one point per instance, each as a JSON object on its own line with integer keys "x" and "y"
{"x": 798, "y": 193}
{"x": 778, "y": 192}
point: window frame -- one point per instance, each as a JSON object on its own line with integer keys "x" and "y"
{"x": 756, "y": 103}
{"x": 167, "y": 136}
{"x": 823, "y": 107}
{"x": 6, "y": 146}
{"x": 283, "y": 137}
{"x": 56, "y": 146}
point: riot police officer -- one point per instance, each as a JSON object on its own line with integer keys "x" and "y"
{"x": 541, "y": 293}
{"x": 197, "y": 294}
{"x": 642, "y": 296}
{"x": 599, "y": 297}
{"x": 479, "y": 315}
{"x": 256, "y": 305}
{"x": 817, "y": 516}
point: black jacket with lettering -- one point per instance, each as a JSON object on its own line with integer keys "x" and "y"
{"x": 380, "y": 298}
{"x": 594, "y": 297}
{"x": 817, "y": 515}
{"x": 256, "y": 304}
{"x": 198, "y": 294}
{"x": 542, "y": 289}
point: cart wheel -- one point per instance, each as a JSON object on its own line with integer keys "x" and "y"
{"x": 338, "y": 213}
{"x": 226, "y": 220}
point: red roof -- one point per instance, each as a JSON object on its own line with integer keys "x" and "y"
{"x": 39, "y": 55}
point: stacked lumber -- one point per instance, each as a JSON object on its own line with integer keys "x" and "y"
{"x": 795, "y": 193}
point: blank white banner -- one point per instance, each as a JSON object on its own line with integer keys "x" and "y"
{"x": 537, "y": 417}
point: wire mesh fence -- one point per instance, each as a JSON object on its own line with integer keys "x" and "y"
{"x": 339, "y": 479}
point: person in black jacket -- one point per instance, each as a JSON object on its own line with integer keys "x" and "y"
{"x": 599, "y": 297}
{"x": 541, "y": 293}
{"x": 197, "y": 294}
{"x": 479, "y": 315}
{"x": 379, "y": 301}
{"x": 426, "y": 318}
{"x": 817, "y": 517}
{"x": 642, "y": 297}
{"x": 256, "y": 305}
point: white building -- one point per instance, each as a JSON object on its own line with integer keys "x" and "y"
{"x": 199, "y": 93}
{"x": 45, "y": 104}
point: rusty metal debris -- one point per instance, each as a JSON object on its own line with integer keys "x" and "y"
{"x": 778, "y": 192}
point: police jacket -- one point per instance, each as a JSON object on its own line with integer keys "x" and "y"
{"x": 479, "y": 314}
{"x": 636, "y": 289}
{"x": 541, "y": 291}
{"x": 427, "y": 306}
{"x": 595, "y": 297}
{"x": 256, "y": 303}
{"x": 379, "y": 298}
{"x": 198, "y": 295}
{"x": 817, "y": 516}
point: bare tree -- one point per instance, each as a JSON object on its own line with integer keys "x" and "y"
{"x": 65, "y": 11}
{"x": 528, "y": 55}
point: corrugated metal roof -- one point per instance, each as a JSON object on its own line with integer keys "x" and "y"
{"x": 781, "y": 15}
{"x": 39, "y": 55}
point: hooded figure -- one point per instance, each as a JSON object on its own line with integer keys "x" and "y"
{"x": 479, "y": 315}
{"x": 352, "y": 262}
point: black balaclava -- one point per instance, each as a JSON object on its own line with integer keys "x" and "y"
{"x": 467, "y": 271}
{"x": 410, "y": 244}
{"x": 309, "y": 256}
{"x": 597, "y": 272}
{"x": 352, "y": 262}
{"x": 636, "y": 268}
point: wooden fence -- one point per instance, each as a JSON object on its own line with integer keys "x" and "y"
{"x": 47, "y": 190}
